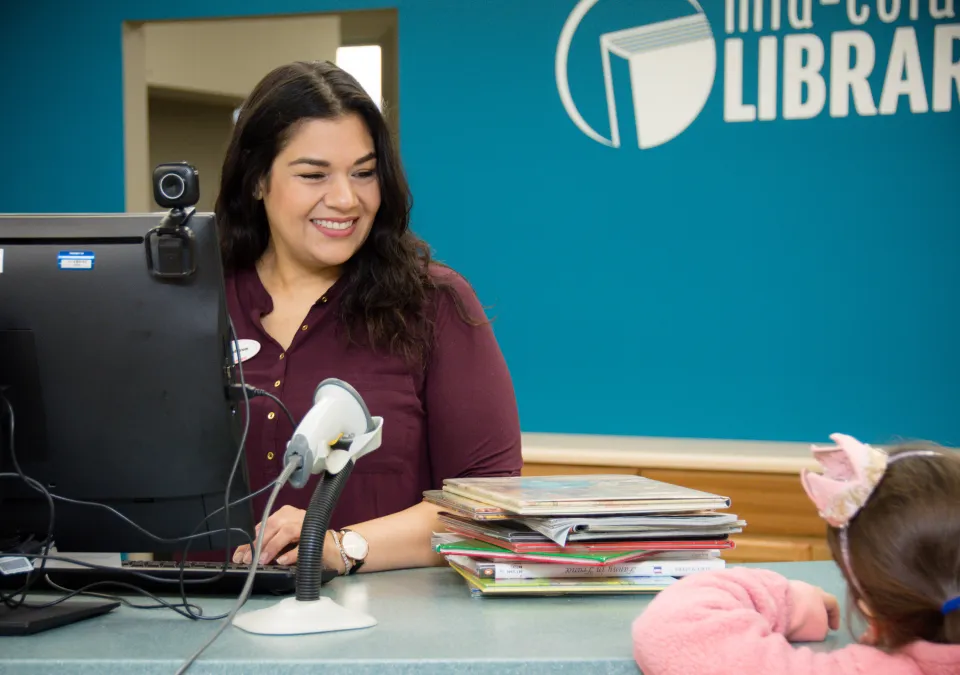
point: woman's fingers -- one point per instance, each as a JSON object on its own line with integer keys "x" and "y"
{"x": 280, "y": 530}
{"x": 290, "y": 557}
{"x": 287, "y": 533}
{"x": 270, "y": 528}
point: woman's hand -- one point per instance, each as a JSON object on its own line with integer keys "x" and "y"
{"x": 281, "y": 529}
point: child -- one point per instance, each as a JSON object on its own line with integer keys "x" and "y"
{"x": 894, "y": 530}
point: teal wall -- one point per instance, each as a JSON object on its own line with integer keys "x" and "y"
{"x": 777, "y": 279}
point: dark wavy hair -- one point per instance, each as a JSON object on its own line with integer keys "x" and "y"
{"x": 387, "y": 282}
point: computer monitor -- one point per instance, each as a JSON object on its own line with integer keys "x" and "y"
{"x": 115, "y": 353}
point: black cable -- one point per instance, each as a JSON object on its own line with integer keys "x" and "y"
{"x": 217, "y": 575}
{"x": 294, "y": 464}
{"x": 132, "y": 572}
{"x": 109, "y": 509}
{"x": 79, "y": 502}
{"x": 234, "y": 349}
{"x": 187, "y": 608}
{"x": 226, "y": 508}
{"x": 248, "y": 392}
{"x": 85, "y": 590}
{"x": 188, "y": 538}
{"x": 33, "y": 574}
{"x": 254, "y": 391}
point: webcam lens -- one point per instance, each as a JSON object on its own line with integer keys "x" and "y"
{"x": 172, "y": 186}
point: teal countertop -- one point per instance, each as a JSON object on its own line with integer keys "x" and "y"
{"x": 428, "y": 624}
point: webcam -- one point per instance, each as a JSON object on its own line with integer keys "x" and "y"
{"x": 176, "y": 185}
{"x": 171, "y": 245}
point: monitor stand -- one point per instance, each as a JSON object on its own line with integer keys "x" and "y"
{"x": 29, "y": 621}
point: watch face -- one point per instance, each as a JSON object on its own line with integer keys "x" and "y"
{"x": 354, "y": 545}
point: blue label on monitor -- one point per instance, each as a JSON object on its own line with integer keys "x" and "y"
{"x": 76, "y": 260}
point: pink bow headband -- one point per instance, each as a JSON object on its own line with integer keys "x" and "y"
{"x": 851, "y": 472}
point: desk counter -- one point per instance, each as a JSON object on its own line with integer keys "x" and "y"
{"x": 428, "y": 624}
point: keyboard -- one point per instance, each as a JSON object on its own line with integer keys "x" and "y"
{"x": 269, "y": 579}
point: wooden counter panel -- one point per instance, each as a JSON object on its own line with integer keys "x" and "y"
{"x": 770, "y": 503}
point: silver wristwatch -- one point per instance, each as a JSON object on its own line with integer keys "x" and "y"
{"x": 353, "y": 549}
{"x": 356, "y": 548}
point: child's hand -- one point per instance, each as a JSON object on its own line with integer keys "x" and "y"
{"x": 813, "y": 612}
{"x": 833, "y": 609}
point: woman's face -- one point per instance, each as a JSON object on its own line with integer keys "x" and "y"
{"x": 323, "y": 194}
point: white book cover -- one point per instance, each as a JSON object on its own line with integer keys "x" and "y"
{"x": 531, "y": 570}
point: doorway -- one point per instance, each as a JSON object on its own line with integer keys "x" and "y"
{"x": 184, "y": 80}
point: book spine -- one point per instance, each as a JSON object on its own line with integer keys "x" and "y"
{"x": 651, "y": 568}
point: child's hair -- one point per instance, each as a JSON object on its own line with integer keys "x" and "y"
{"x": 905, "y": 549}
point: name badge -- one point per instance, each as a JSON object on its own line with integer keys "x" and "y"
{"x": 247, "y": 349}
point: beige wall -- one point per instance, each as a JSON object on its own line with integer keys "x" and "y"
{"x": 227, "y": 57}
{"x": 377, "y": 27}
{"x": 390, "y": 74}
{"x": 136, "y": 138}
{"x": 191, "y": 131}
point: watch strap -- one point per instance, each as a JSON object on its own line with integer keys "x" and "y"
{"x": 347, "y": 560}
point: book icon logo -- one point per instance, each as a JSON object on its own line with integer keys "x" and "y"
{"x": 672, "y": 65}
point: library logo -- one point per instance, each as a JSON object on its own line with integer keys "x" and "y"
{"x": 672, "y": 67}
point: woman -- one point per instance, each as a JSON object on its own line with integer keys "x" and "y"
{"x": 325, "y": 276}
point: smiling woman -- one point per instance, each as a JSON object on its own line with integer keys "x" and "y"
{"x": 325, "y": 274}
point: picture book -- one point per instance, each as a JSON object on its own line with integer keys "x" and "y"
{"x": 581, "y": 495}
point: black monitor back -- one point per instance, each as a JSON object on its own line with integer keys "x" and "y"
{"x": 120, "y": 382}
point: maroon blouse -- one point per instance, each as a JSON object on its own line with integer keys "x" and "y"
{"x": 456, "y": 416}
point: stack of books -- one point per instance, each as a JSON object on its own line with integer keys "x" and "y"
{"x": 579, "y": 534}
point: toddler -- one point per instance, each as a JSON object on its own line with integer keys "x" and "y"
{"x": 893, "y": 529}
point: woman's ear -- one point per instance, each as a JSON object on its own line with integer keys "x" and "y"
{"x": 261, "y": 187}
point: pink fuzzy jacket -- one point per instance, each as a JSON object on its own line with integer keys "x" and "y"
{"x": 741, "y": 620}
